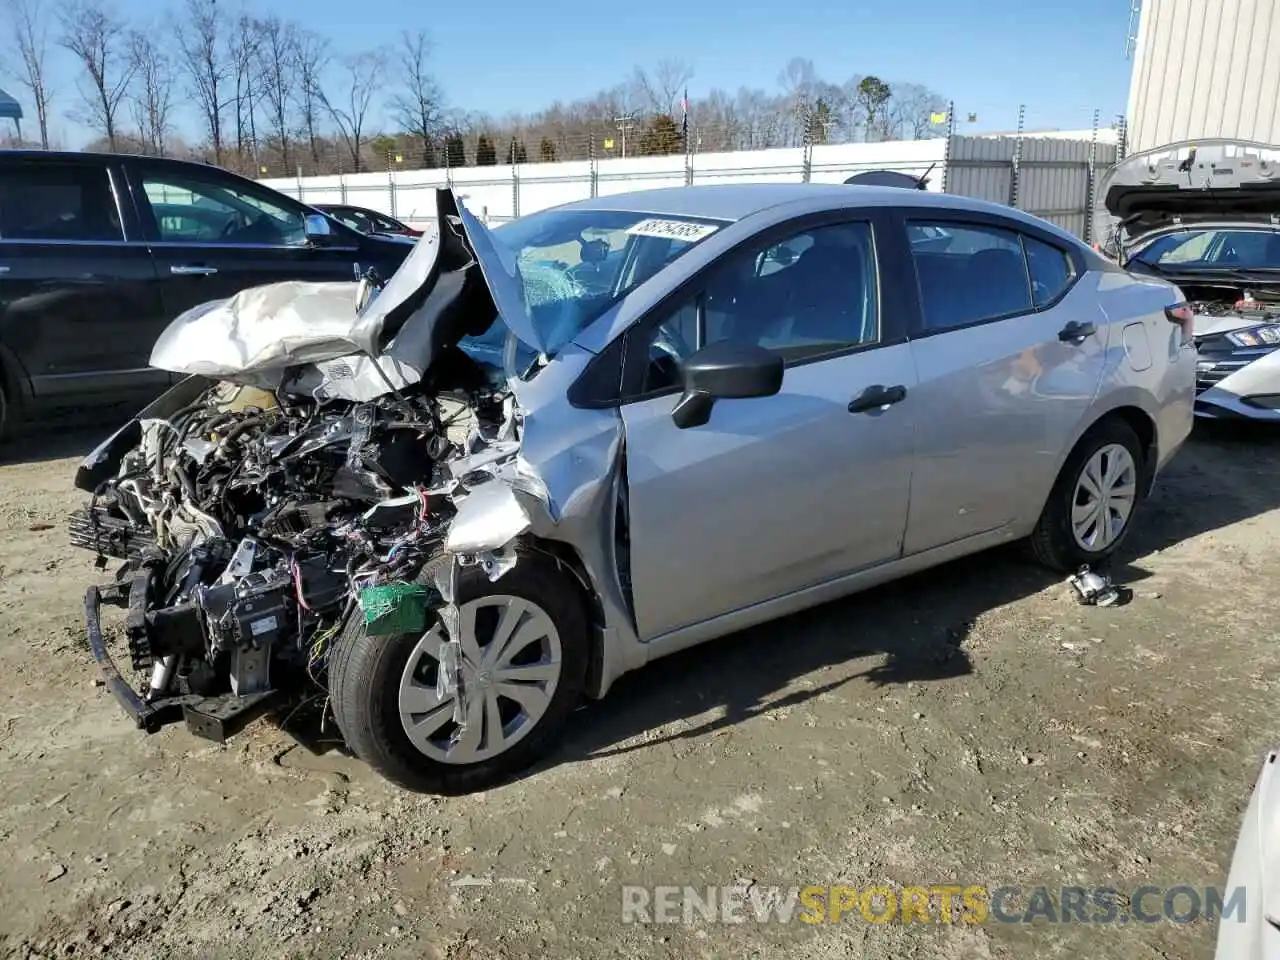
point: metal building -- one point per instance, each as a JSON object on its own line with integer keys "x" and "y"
{"x": 1204, "y": 68}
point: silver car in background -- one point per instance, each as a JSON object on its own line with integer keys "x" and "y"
{"x": 723, "y": 404}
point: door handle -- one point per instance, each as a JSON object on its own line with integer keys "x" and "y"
{"x": 877, "y": 397}
{"x": 1076, "y": 332}
{"x": 186, "y": 270}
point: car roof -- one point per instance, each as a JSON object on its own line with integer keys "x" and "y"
{"x": 83, "y": 156}
{"x": 737, "y": 201}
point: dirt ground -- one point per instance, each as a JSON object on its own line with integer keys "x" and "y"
{"x": 970, "y": 725}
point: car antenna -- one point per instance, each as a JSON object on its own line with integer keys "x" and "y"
{"x": 924, "y": 177}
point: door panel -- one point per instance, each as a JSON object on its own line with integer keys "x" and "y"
{"x": 76, "y": 300}
{"x": 772, "y": 495}
{"x": 997, "y": 400}
{"x": 214, "y": 235}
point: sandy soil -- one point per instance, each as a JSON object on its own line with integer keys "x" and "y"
{"x": 970, "y": 725}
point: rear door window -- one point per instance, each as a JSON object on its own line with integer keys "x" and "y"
{"x": 52, "y": 201}
{"x": 980, "y": 274}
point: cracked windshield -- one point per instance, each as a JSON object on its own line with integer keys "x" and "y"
{"x": 574, "y": 265}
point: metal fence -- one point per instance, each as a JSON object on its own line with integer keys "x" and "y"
{"x": 1049, "y": 175}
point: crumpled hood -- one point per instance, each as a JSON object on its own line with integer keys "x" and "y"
{"x": 1194, "y": 182}
{"x": 454, "y": 282}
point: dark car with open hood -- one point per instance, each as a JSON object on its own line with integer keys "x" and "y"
{"x": 98, "y": 252}
{"x": 1206, "y": 216}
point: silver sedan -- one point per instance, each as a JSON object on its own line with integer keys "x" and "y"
{"x": 721, "y": 405}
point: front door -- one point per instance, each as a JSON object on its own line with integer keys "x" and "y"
{"x": 780, "y": 493}
{"x": 214, "y": 234}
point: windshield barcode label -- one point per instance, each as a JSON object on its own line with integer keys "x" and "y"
{"x": 672, "y": 229}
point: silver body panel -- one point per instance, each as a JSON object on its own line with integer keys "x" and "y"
{"x": 781, "y": 503}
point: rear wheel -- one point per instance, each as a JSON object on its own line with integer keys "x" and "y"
{"x": 1091, "y": 507}
{"x": 524, "y": 651}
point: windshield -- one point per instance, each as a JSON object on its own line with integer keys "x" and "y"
{"x": 1219, "y": 249}
{"x": 575, "y": 264}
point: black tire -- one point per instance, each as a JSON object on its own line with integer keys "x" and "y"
{"x": 4, "y": 412}
{"x": 365, "y": 671}
{"x": 1052, "y": 543}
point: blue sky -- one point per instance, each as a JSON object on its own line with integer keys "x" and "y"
{"x": 1061, "y": 60}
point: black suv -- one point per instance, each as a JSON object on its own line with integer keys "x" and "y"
{"x": 98, "y": 252}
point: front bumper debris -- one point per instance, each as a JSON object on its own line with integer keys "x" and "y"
{"x": 211, "y": 718}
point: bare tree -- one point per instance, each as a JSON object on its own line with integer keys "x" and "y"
{"x": 245, "y": 40}
{"x": 276, "y": 54}
{"x": 311, "y": 56}
{"x": 913, "y": 108}
{"x": 94, "y": 36}
{"x": 417, "y": 109}
{"x": 660, "y": 86}
{"x": 201, "y": 40}
{"x": 151, "y": 96}
{"x": 350, "y": 109}
{"x": 30, "y": 42}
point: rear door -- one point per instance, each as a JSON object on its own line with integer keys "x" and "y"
{"x": 79, "y": 298}
{"x": 1003, "y": 383}
{"x": 775, "y": 494}
{"x": 233, "y": 234}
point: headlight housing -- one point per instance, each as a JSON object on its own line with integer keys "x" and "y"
{"x": 1267, "y": 335}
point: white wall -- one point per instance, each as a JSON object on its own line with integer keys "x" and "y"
{"x": 1205, "y": 68}
{"x": 1053, "y": 174}
{"x": 493, "y": 192}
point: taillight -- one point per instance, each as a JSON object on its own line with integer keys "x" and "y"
{"x": 1183, "y": 316}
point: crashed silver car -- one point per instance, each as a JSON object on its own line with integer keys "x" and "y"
{"x": 540, "y": 457}
{"x": 1206, "y": 216}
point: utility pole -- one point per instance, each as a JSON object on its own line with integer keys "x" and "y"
{"x": 625, "y": 122}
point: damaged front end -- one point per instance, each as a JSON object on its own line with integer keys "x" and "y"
{"x": 333, "y": 457}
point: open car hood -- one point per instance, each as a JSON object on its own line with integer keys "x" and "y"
{"x": 314, "y": 338}
{"x": 1194, "y": 182}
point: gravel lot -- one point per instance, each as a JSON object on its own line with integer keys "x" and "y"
{"x": 971, "y": 724}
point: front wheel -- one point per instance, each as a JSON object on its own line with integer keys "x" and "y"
{"x": 523, "y": 663}
{"x": 1090, "y": 509}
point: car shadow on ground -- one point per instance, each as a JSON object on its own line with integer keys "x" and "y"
{"x": 58, "y": 435}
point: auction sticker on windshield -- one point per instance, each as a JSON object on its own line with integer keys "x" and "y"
{"x": 672, "y": 229}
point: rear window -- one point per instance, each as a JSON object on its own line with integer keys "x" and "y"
{"x": 68, "y": 202}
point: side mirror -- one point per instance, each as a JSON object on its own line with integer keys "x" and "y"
{"x": 725, "y": 371}
{"x": 318, "y": 229}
